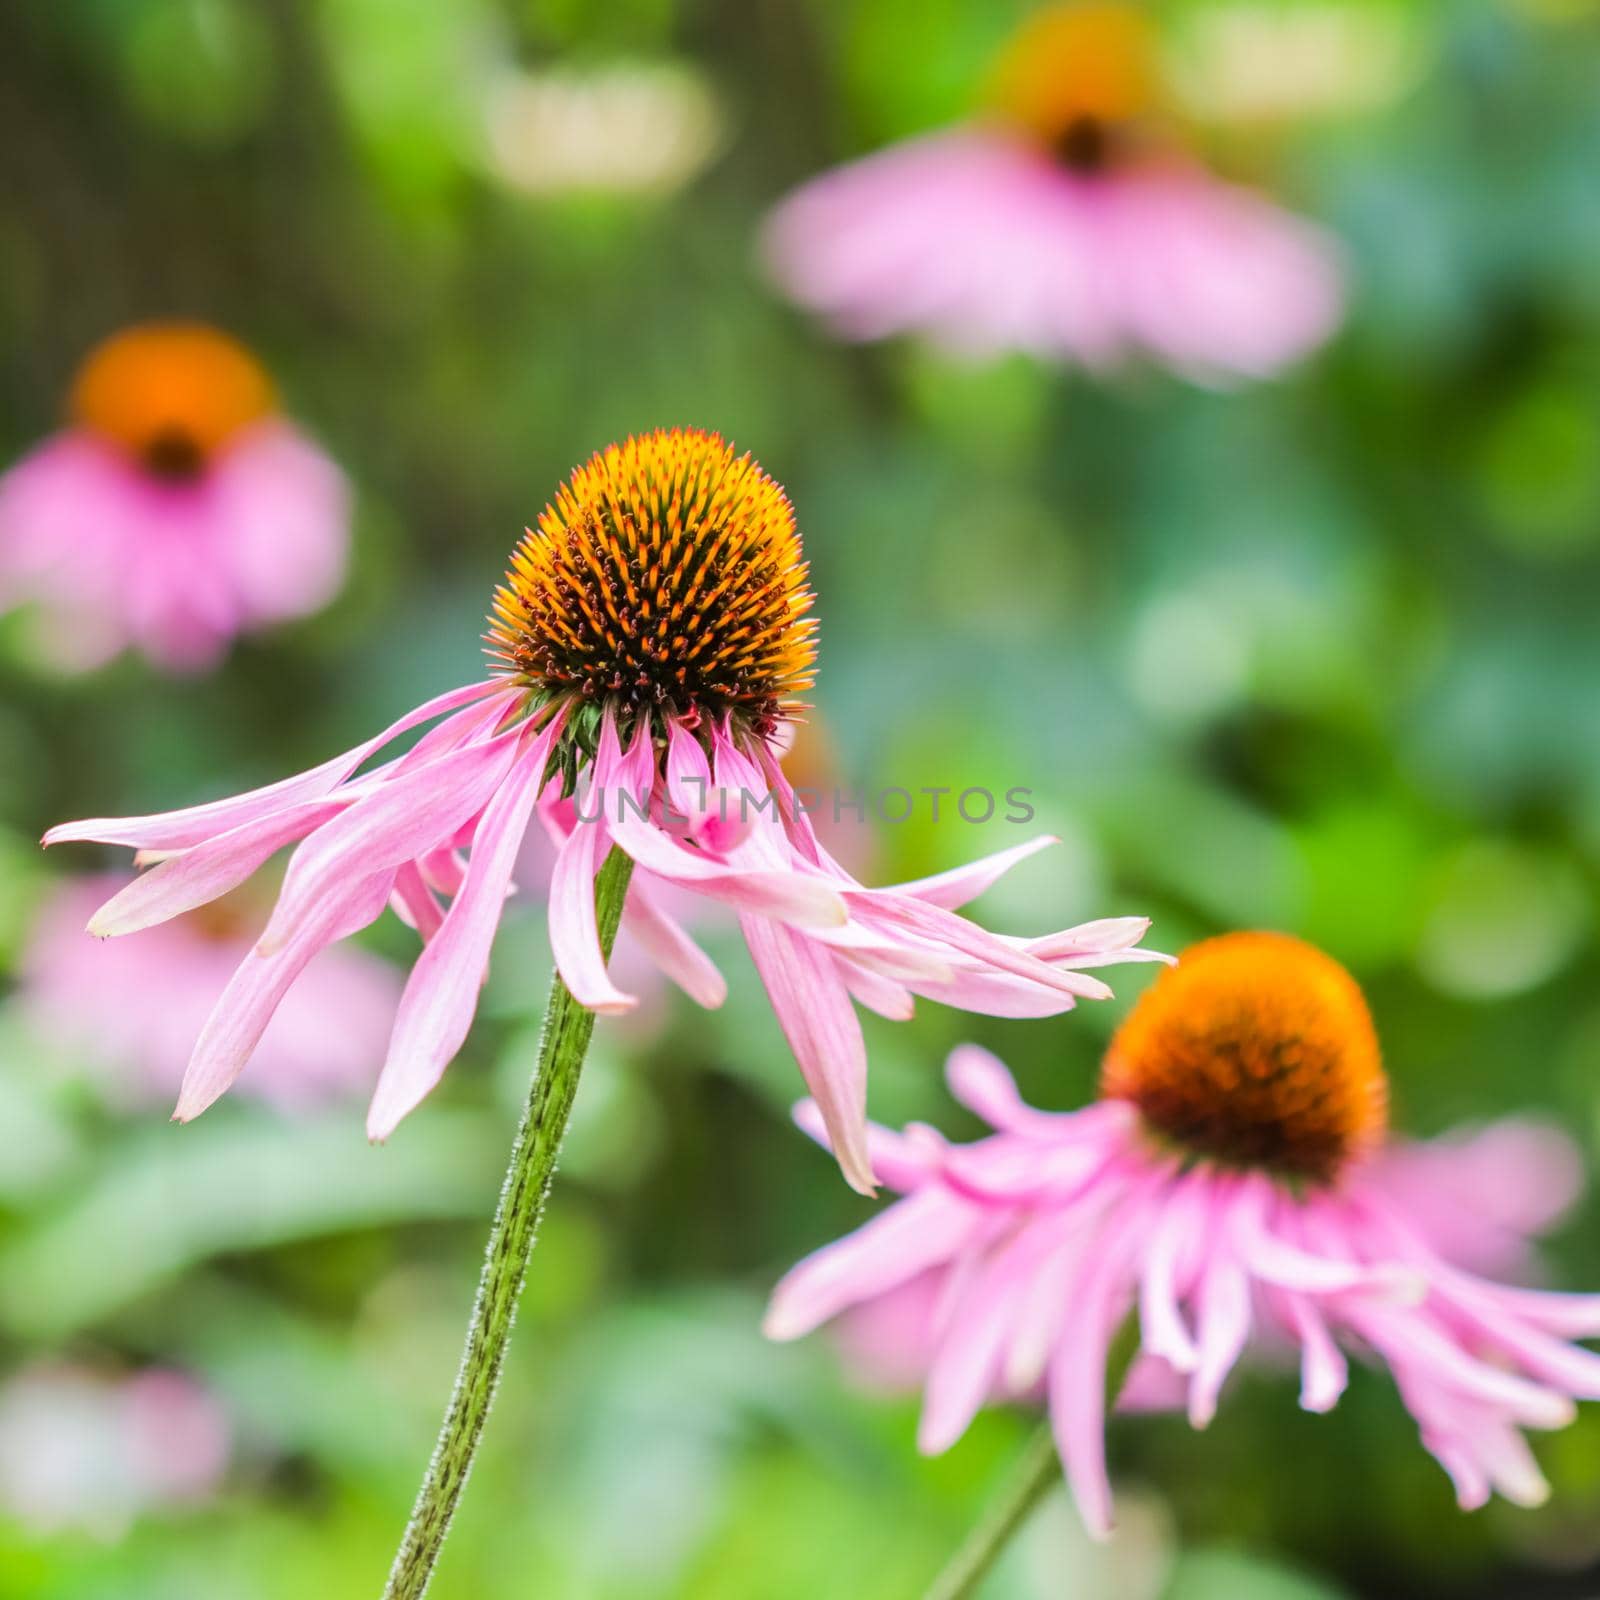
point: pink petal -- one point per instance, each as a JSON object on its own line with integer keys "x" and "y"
{"x": 246, "y": 1005}
{"x": 967, "y": 1362}
{"x": 912, "y": 1235}
{"x": 932, "y": 923}
{"x": 1324, "y": 1371}
{"x": 414, "y": 904}
{"x": 178, "y": 830}
{"x": 399, "y": 821}
{"x": 441, "y": 995}
{"x": 667, "y": 943}
{"x": 961, "y": 884}
{"x": 877, "y": 993}
{"x": 904, "y": 1161}
{"x": 208, "y": 870}
{"x": 1077, "y": 1382}
{"x": 791, "y": 895}
{"x": 574, "y": 930}
{"x": 814, "y": 1010}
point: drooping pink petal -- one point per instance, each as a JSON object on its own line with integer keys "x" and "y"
{"x": 961, "y": 884}
{"x": 814, "y": 1010}
{"x": 178, "y": 830}
{"x": 796, "y": 897}
{"x": 889, "y": 1250}
{"x": 399, "y": 821}
{"x": 413, "y": 902}
{"x": 206, "y": 871}
{"x": 904, "y": 1161}
{"x": 876, "y": 992}
{"x": 441, "y": 997}
{"x": 256, "y": 989}
{"x": 668, "y": 944}
{"x": 967, "y": 1360}
{"x": 574, "y": 930}
{"x": 1223, "y": 1327}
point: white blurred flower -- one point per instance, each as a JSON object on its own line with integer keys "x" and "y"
{"x": 1255, "y": 61}
{"x": 630, "y": 128}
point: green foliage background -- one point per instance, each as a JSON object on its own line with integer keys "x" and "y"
{"x": 1320, "y": 654}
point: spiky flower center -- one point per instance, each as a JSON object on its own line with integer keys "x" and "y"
{"x": 666, "y": 580}
{"x": 170, "y": 394}
{"x": 1256, "y": 1050}
{"x": 1074, "y": 76}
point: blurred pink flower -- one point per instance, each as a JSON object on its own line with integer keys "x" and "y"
{"x": 84, "y": 1451}
{"x": 1064, "y": 224}
{"x": 178, "y": 509}
{"x": 1195, "y": 1201}
{"x": 667, "y": 752}
{"x": 135, "y": 1006}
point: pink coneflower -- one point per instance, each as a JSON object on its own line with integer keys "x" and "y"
{"x": 80, "y": 1449}
{"x": 1222, "y": 1187}
{"x": 651, "y": 634}
{"x": 177, "y": 510}
{"x": 134, "y": 1006}
{"x": 1067, "y": 222}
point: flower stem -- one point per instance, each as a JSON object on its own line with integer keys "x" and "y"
{"x": 562, "y": 1046}
{"x": 1038, "y": 1470}
{"x": 1035, "y": 1474}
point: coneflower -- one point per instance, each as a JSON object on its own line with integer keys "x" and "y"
{"x": 1233, "y": 1181}
{"x": 650, "y": 636}
{"x": 650, "y": 639}
{"x": 178, "y": 508}
{"x": 1067, "y": 218}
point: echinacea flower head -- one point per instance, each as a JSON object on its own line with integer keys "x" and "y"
{"x": 649, "y": 640}
{"x": 1068, "y": 218}
{"x": 1256, "y": 1051}
{"x": 1231, "y": 1184}
{"x": 177, "y": 509}
{"x": 666, "y": 579}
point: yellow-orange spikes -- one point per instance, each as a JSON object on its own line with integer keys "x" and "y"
{"x": 1074, "y": 73}
{"x": 666, "y": 578}
{"x": 1257, "y": 1050}
{"x": 171, "y": 394}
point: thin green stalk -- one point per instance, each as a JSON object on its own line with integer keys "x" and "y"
{"x": 562, "y": 1047}
{"x": 1037, "y": 1471}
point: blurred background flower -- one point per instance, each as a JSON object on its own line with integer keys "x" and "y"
{"x": 1068, "y": 220}
{"x": 131, "y": 1009}
{"x": 177, "y": 510}
{"x": 1317, "y": 654}
{"x": 94, "y": 1452}
{"x": 627, "y": 128}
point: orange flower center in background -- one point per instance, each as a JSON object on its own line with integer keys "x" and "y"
{"x": 233, "y": 918}
{"x": 666, "y": 577}
{"x": 1257, "y": 1050}
{"x": 1074, "y": 75}
{"x": 170, "y": 394}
